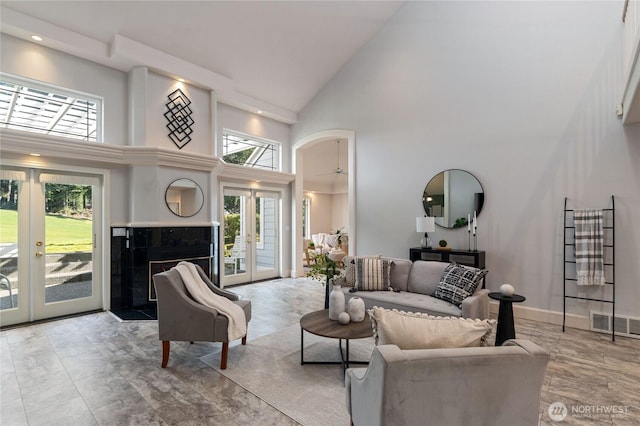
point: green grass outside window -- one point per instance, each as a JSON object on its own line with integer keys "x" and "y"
{"x": 63, "y": 234}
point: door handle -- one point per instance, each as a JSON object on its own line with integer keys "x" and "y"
{"x": 38, "y": 254}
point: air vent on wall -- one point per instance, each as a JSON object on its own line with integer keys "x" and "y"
{"x": 599, "y": 322}
{"x": 623, "y": 325}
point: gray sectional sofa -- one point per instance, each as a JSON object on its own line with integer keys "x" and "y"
{"x": 417, "y": 282}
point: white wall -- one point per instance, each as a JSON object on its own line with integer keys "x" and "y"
{"x": 147, "y": 197}
{"x": 39, "y": 63}
{"x": 254, "y": 124}
{"x": 340, "y": 212}
{"x": 320, "y": 220}
{"x": 158, "y": 90}
{"x": 30, "y": 60}
{"x": 523, "y": 96}
{"x": 329, "y": 212}
{"x": 237, "y": 120}
{"x": 134, "y": 107}
{"x": 149, "y": 182}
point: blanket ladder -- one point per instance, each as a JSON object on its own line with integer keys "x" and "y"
{"x": 609, "y": 253}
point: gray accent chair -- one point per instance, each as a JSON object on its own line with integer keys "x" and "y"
{"x": 498, "y": 385}
{"x": 180, "y": 318}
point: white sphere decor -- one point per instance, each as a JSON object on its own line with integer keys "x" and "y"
{"x": 507, "y": 290}
{"x": 344, "y": 318}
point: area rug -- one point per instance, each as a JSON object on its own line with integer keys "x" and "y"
{"x": 311, "y": 394}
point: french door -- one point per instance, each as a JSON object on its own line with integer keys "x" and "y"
{"x": 251, "y": 235}
{"x": 50, "y": 225}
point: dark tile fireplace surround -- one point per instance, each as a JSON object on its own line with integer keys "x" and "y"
{"x": 139, "y": 252}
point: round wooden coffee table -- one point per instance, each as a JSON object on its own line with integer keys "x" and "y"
{"x": 318, "y": 323}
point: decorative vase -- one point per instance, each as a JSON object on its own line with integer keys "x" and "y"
{"x": 355, "y": 308}
{"x": 336, "y": 302}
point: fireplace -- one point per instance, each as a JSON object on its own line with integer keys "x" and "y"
{"x": 157, "y": 266}
{"x": 138, "y": 252}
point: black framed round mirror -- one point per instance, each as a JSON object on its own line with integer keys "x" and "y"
{"x": 452, "y": 197}
{"x": 184, "y": 197}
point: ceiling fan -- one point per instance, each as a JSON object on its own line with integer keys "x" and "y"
{"x": 338, "y": 170}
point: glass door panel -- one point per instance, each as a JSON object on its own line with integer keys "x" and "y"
{"x": 65, "y": 233}
{"x": 69, "y": 242}
{"x": 266, "y": 212}
{"x": 53, "y": 221}
{"x": 14, "y": 203}
{"x": 251, "y": 235}
{"x": 235, "y": 236}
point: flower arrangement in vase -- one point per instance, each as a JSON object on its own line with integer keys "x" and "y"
{"x": 324, "y": 270}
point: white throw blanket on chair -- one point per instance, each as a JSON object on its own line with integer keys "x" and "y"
{"x": 589, "y": 239}
{"x": 201, "y": 293}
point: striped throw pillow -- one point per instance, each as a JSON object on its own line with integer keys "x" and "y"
{"x": 373, "y": 274}
{"x": 350, "y": 268}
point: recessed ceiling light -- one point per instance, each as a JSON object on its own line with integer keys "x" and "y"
{"x": 181, "y": 80}
{"x": 259, "y": 111}
{"x": 33, "y": 154}
{"x": 37, "y": 37}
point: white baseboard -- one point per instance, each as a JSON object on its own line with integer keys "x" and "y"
{"x": 297, "y": 274}
{"x": 291, "y": 273}
{"x": 543, "y": 315}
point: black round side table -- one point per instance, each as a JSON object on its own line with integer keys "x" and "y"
{"x": 506, "y": 329}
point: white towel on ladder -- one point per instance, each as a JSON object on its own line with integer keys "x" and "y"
{"x": 589, "y": 239}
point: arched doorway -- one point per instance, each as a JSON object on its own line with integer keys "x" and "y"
{"x": 306, "y": 145}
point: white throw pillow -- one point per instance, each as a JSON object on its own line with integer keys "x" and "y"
{"x": 409, "y": 330}
{"x": 318, "y": 240}
{"x": 331, "y": 240}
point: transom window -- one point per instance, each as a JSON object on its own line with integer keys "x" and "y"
{"x": 250, "y": 151}
{"x": 53, "y": 111}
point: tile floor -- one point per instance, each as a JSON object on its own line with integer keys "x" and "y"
{"x": 94, "y": 369}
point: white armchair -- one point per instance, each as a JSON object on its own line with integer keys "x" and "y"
{"x": 319, "y": 243}
{"x": 324, "y": 243}
{"x": 237, "y": 256}
{"x": 496, "y": 386}
{"x": 332, "y": 244}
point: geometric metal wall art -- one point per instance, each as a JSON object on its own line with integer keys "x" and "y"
{"x": 179, "y": 118}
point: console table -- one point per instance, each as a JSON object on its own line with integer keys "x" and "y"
{"x": 463, "y": 257}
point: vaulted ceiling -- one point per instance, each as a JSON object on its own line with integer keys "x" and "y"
{"x": 271, "y": 55}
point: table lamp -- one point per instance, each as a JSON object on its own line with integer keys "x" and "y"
{"x": 425, "y": 224}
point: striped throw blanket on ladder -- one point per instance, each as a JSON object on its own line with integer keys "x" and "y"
{"x": 589, "y": 239}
